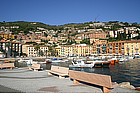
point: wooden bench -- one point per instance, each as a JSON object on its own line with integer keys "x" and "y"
{"x": 7, "y": 65}
{"x": 35, "y": 67}
{"x": 62, "y": 72}
{"x": 91, "y": 78}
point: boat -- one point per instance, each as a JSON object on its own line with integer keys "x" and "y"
{"x": 104, "y": 64}
{"x": 81, "y": 64}
{"x": 123, "y": 59}
{"x": 27, "y": 61}
{"x": 126, "y": 58}
{"x": 130, "y": 57}
{"x": 58, "y": 60}
{"x": 91, "y": 64}
{"x": 136, "y": 56}
{"x": 47, "y": 61}
{"x": 101, "y": 63}
{"x": 113, "y": 60}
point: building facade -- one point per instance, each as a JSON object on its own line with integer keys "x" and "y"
{"x": 132, "y": 48}
{"x": 115, "y": 48}
{"x": 11, "y": 48}
{"x": 127, "y": 47}
{"x": 74, "y": 50}
{"x": 32, "y": 51}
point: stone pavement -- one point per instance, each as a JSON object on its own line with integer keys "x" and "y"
{"x": 26, "y": 81}
{"x": 23, "y": 80}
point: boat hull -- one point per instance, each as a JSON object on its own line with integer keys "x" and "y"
{"x": 102, "y": 64}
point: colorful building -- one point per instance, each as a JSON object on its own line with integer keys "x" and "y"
{"x": 31, "y": 51}
{"x": 127, "y": 47}
{"x": 7, "y": 36}
{"x": 132, "y": 47}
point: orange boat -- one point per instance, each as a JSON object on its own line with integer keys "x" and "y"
{"x": 112, "y": 62}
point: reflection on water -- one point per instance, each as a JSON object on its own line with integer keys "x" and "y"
{"x": 124, "y": 72}
{"x": 128, "y": 71}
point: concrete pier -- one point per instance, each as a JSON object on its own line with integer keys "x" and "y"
{"x": 23, "y": 80}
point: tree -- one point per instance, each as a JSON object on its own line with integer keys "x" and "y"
{"x": 52, "y": 50}
{"x": 37, "y": 48}
{"x": 85, "y": 41}
{"x": 1, "y": 38}
{"x": 41, "y": 53}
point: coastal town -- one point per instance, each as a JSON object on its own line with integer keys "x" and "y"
{"x": 65, "y": 48}
{"x": 87, "y": 39}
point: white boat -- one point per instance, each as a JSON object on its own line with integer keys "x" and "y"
{"x": 123, "y": 59}
{"x": 130, "y": 57}
{"x": 136, "y": 56}
{"x": 82, "y": 64}
{"x": 100, "y": 63}
{"x": 126, "y": 58}
{"x": 27, "y": 61}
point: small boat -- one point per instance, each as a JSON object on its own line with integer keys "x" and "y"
{"x": 113, "y": 60}
{"x": 27, "y": 61}
{"x": 56, "y": 60}
{"x": 104, "y": 64}
{"x": 81, "y": 64}
{"x": 130, "y": 57}
{"x": 123, "y": 59}
{"x": 101, "y": 64}
{"x": 47, "y": 61}
{"x": 136, "y": 56}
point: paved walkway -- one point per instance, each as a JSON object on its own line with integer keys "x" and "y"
{"x": 23, "y": 80}
{"x": 26, "y": 81}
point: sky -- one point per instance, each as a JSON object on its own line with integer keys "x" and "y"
{"x": 59, "y": 12}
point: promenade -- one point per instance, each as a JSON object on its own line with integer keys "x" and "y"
{"x": 22, "y": 80}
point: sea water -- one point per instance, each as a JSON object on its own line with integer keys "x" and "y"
{"x": 120, "y": 72}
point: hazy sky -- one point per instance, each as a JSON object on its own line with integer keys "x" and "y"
{"x": 56, "y": 12}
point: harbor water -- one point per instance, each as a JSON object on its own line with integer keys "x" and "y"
{"x": 128, "y": 71}
{"x": 120, "y": 72}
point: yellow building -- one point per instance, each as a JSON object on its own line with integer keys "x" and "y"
{"x": 67, "y": 50}
{"x": 30, "y": 50}
{"x": 58, "y": 50}
{"x": 99, "y": 47}
{"x": 83, "y": 50}
{"x": 132, "y": 47}
{"x": 127, "y": 47}
{"x": 7, "y": 36}
{"x": 74, "y": 50}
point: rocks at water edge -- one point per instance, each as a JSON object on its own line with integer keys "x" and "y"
{"x": 126, "y": 85}
{"x": 123, "y": 85}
